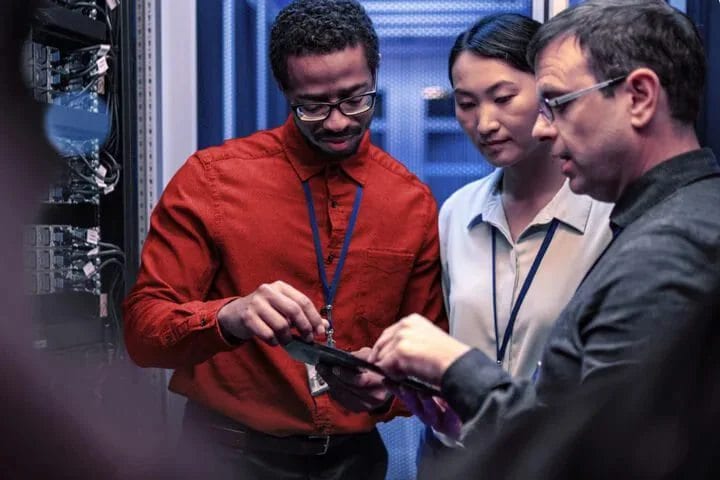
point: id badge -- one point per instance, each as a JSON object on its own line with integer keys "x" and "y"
{"x": 315, "y": 381}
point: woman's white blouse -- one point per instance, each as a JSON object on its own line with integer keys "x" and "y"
{"x": 466, "y": 252}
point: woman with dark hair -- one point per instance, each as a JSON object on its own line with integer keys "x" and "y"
{"x": 516, "y": 244}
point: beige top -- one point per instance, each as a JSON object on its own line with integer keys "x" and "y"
{"x": 466, "y": 251}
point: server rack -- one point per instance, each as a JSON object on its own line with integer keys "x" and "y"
{"x": 79, "y": 250}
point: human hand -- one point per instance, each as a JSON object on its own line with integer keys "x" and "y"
{"x": 269, "y": 313}
{"x": 356, "y": 389}
{"x": 432, "y": 411}
{"x": 415, "y": 347}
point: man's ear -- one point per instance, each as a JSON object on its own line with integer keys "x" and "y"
{"x": 645, "y": 91}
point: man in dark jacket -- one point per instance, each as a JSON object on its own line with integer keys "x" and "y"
{"x": 620, "y": 83}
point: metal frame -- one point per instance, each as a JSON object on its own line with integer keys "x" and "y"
{"x": 147, "y": 105}
{"x": 229, "y": 67}
{"x": 261, "y": 25}
{"x": 147, "y": 119}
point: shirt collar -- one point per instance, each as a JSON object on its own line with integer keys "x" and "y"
{"x": 660, "y": 182}
{"x": 307, "y": 161}
{"x": 569, "y": 208}
{"x": 489, "y": 206}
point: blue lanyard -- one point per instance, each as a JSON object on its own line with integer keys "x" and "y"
{"x": 329, "y": 290}
{"x": 501, "y": 348}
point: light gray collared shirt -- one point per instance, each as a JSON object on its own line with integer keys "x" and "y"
{"x": 467, "y": 221}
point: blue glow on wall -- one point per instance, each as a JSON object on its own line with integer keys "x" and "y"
{"x": 229, "y": 86}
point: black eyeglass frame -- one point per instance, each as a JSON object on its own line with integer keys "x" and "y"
{"x": 297, "y": 107}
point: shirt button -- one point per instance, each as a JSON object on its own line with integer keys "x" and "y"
{"x": 333, "y": 203}
{"x": 330, "y": 259}
{"x": 203, "y": 322}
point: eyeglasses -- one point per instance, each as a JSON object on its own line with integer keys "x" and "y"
{"x": 547, "y": 105}
{"x": 317, "y": 111}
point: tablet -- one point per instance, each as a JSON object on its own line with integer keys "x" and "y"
{"x": 314, "y": 353}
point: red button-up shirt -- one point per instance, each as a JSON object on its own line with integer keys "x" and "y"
{"x": 235, "y": 217}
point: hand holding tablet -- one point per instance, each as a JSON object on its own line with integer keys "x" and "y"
{"x": 313, "y": 353}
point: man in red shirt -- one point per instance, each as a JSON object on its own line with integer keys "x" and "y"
{"x": 307, "y": 228}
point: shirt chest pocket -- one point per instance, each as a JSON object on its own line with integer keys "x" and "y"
{"x": 384, "y": 275}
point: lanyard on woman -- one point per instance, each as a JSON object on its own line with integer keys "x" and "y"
{"x": 500, "y": 348}
{"x": 330, "y": 289}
